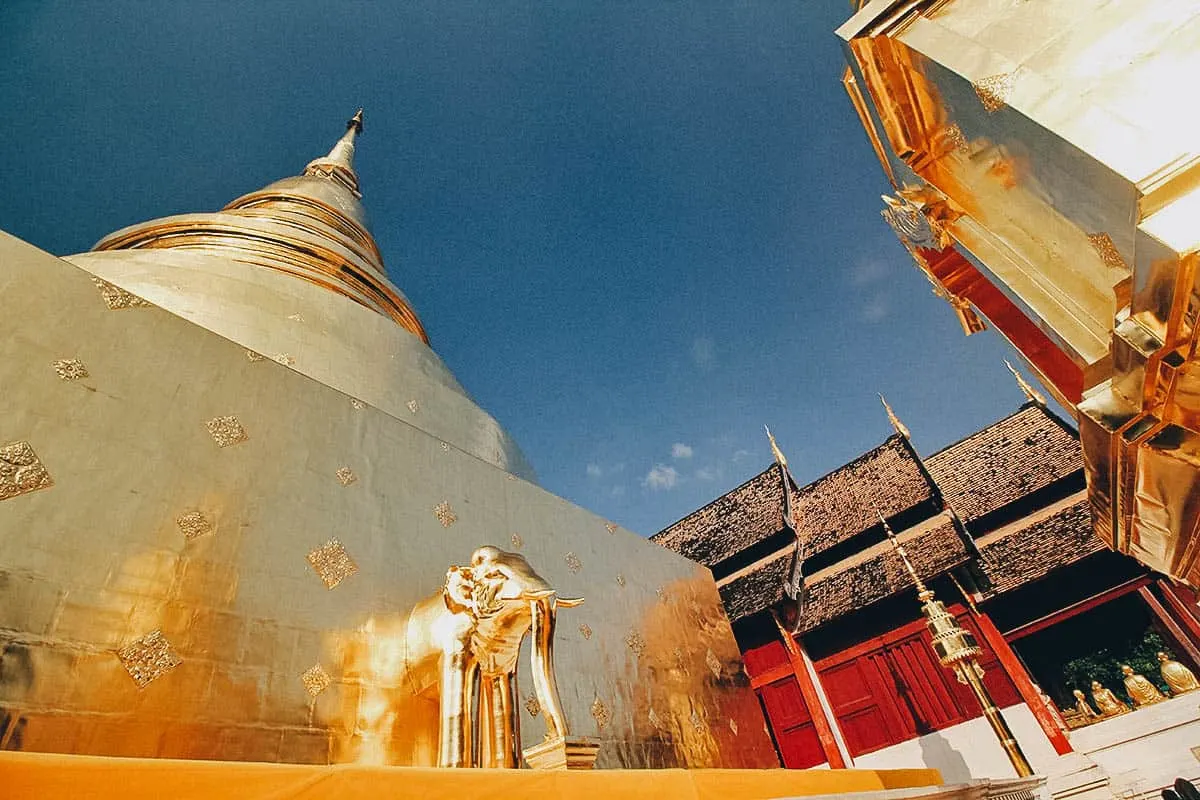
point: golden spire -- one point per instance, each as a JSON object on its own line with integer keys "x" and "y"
{"x": 892, "y": 418}
{"x": 339, "y": 164}
{"x": 923, "y": 591}
{"x": 780, "y": 458}
{"x": 1031, "y": 394}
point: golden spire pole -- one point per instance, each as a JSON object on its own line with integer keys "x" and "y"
{"x": 897, "y": 425}
{"x": 957, "y": 649}
{"x": 780, "y": 458}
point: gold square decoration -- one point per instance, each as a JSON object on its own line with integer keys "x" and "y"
{"x": 532, "y": 705}
{"x": 70, "y": 369}
{"x": 148, "y": 658}
{"x": 193, "y": 524}
{"x": 714, "y": 663}
{"x": 517, "y": 541}
{"x": 226, "y": 431}
{"x": 315, "y": 680}
{"x": 573, "y": 562}
{"x": 600, "y": 713}
{"x": 445, "y": 514}
{"x": 346, "y": 476}
{"x": 115, "y": 297}
{"x": 585, "y": 630}
{"x": 993, "y": 91}
{"x": 635, "y": 643}
{"x": 332, "y": 563}
{"x": 21, "y": 471}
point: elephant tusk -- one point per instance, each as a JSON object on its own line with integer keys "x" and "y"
{"x": 540, "y": 594}
{"x": 570, "y": 602}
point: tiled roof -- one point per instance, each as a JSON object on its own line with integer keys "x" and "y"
{"x": 757, "y": 590}
{"x": 1004, "y": 462}
{"x": 1025, "y": 554}
{"x": 731, "y": 523}
{"x": 832, "y": 509}
{"x": 855, "y": 583}
{"x": 882, "y": 574}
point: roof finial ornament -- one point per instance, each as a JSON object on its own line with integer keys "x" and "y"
{"x": 339, "y": 164}
{"x": 780, "y": 458}
{"x": 1031, "y": 394}
{"x": 355, "y": 122}
{"x": 892, "y": 418}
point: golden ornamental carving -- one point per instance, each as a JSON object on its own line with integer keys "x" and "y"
{"x": 955, "y": 138}
{"x": 21, "y": 471}
{"x": 193, "y": 524}
{"x": 356, "y": 404}
{"x": 226, "y": 431}
{"x": 253, "y": 357}
{"x": 698, "y": 723}
{"x": 148, "y": 658}
{"x": 532, "y": 705}
{"x": 993, "y": 91}
{"x": 654, "y": 719}
{"x": 1176, "y": 675}
{"x": 733, "y": 726}
{"x": 346, "y": 476}
{"x": 600, "y": 713}
{"x": 332, "y": 563}
{"x": 296, "y": 317}
{"x": 635, "y": 643}
{"x": 70, "y": 369}
{"x": 517, "y": 541}
{"x": 285, "y": 359}
{"x": 1106, "y": 248}
{"x": 414, "y": 406}
{"x": 585, "y": 630}
{"x": 116, "y": 298}
{"x": 445, "y": 447}
{"x": 612, "y": 528}
{"x": 573, "y": 562}
{"x": 714, "y": 663}
{"x": 445, "y": 514}
{"x": 918, "y": 218}
{"x": 662, "y": 594}
{"x": 315, "y": 680}
{"x": 620, "y": 580}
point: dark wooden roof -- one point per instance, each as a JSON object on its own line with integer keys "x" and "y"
{"x": 1016, "y": 557}
{"x": 733, "y": 522}
{"x": 1004, "y": 462}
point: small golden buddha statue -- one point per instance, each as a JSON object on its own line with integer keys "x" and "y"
{"x": 1140, "y": 688}
{"x": 1177, "y": 676}
{"x": 1106, "y": 701}
{"x": 1081, "y": 705}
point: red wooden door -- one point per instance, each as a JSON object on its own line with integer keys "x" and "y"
{"x": 791, "y": 721}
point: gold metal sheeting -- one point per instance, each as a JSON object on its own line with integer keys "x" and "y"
{"x": 148, "y": 658}
{"x": 573, "y": 562}
{"x": 226, "y": 430}
{"x": 585, "y": 630}
{"x": 993, "y": 91}
{"x": 193, "y": 524}
{"x": 414, "y": 406}
{"x": 345, "y": 476}
{"x": 517, "y": 541}
{"x": 116, "y": 298}
{"x": 445, "y": 514}
{"x": 70, "y": 369}
{"x": 21, "y": 471}
{"x": 315, "y": 680}
{"x": 332, "y": 563}
{"x": 600, "y": 713}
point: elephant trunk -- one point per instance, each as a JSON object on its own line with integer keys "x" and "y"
{"x": 544, "y": 613}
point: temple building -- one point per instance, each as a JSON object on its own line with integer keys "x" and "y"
{"x": 1047, "y": 182}
{"x": 998, "y": 525}
{"x": 247, "y": 514}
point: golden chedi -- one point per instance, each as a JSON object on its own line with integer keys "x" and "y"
{"x": 1179, "y": 678}
{"x": 233, "y": 475}
{"x": 1139, "y": 688}
{"x": 1108, "y": 703}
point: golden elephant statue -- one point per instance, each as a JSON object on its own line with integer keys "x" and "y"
{"x": 464, "y": 642}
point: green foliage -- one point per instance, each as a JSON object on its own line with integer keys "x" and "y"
{"x": 1104, "y": 664}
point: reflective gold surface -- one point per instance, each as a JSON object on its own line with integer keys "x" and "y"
{"x": 1047, "y": 172}
{"x": 1141, "y": 690}
{"x": 1179, "y": 678}
{"x": 135, "y": 535}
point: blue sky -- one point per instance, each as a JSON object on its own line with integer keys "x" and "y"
{"x": 637, "y": 232}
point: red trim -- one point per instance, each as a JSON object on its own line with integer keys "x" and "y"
{"x": 1185, "y": 612}
{"x": 1170, "y": 624}
{"x": 1075, "y": 609}
{"x": 770, "y": 676}
{"x": 1020, "y": 678}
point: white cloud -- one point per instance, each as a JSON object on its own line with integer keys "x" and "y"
{"x": 618, "y": 491}
{"x": 662, "y": 477}
{"x": 708, "y": 473}
{"x": 594, "y": 471}
{"x": 681, "y": 450}
{"x": 867, "y": 273}
{"x": 875, "y": 309}
{"x": 740, "y": 455}
{"x": 704, "y": 353}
